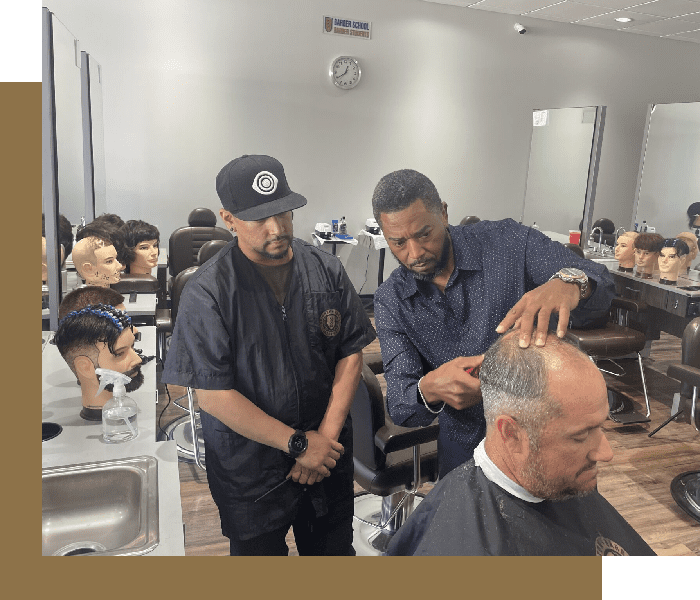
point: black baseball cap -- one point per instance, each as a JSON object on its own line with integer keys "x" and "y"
{"x": 254, "y": 187}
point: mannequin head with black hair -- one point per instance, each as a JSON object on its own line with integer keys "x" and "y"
{"x": 646, "y": 252}
{"x": 671, "y": 260}
{"x": 98, "y": 336}
{"x": 139, "y": 249}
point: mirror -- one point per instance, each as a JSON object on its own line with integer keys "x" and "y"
{"x": 669, "y": 171}
{"x": 93, "y": 143}
{"x": 563, "y": 169}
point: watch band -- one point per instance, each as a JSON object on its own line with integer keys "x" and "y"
{"x": 580, "y": 279}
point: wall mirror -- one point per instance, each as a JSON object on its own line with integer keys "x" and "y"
{"x": 93, "y": 138}
{"x": 563, "y": 169}
{"x": 669, "y": 170}
{"x": 63, "y": 188}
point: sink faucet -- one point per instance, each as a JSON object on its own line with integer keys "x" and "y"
{"x": 600, "y": 237}
{"x": 617, "y": 233}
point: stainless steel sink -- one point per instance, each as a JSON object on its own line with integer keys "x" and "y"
{"x": 106, "y": 508}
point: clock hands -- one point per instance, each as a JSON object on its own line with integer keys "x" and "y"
{"x": 339, "y": 76}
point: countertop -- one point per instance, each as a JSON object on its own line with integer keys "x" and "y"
{"x": 81, "y": 440}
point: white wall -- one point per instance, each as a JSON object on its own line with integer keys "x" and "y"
{"x": 448, "y": 91}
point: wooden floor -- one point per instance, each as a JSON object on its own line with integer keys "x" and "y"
{"x": 637, "y": 481}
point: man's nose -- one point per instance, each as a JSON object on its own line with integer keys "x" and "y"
{"x": 603, "y": 452}
{"x": 415, "y": 250}
{"x": 275, "y": 226}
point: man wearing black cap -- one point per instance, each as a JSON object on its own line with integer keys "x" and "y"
{"x": 270, "y": 333}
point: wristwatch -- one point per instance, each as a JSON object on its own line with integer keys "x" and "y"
{"x": 571, "y": 275}
{"x": 297, "y": 443}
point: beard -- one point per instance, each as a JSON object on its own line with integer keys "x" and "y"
{"x": 277, "y": 255}
{"x": 552, "y": 489}
{"x": 136, "y": 380}
{"x": 440, "y": 264}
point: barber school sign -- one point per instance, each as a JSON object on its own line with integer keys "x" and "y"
{"x": 351, "y": 27}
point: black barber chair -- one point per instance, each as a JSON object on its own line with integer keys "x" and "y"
{"x": 614, "y": 341}
{"x": 209, "y": 250}
{"x": 469, "y": 220}
{"x": 185, "y": 242}
{"x": 685, "y": 487}
{"x": 391, "y": 463}
{"x": 132, "y": 284}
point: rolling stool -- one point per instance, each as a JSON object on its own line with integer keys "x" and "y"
{"x": 391, "y": 463}
{"x": 615, "y": 340}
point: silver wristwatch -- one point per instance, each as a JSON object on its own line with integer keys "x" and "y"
{"x": 571, "y": 275}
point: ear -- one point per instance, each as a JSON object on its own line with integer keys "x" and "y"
{"x": 84, "y": 367}
{"x": 512, "y": 437}
{"x": 444, "y": 213}
{"x": 228, "y": 219}
{"x": 86, "y": 269}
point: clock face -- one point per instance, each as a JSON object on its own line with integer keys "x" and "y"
{"x": 345, "y": 72}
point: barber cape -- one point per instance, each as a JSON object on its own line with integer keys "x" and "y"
{"x": 467, "y": 514}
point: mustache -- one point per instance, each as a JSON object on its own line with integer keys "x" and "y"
{"x": 279, "y": 238}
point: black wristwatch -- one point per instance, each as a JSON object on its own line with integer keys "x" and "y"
{"x": 297, "y": 443}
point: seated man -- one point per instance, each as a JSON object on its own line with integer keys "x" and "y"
{"x": 98, "y": 335}
{"x": 531, "y": 487}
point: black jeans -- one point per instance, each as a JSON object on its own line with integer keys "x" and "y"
{"x": 330, "y": 535}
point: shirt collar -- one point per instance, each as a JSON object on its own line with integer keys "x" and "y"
{"x": 494, "y": 474}
{"x": 466, "y": 249}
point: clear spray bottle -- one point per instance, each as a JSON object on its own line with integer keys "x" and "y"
{"x": 119, "y": 412}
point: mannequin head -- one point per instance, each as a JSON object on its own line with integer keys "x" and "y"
{"x": 98, "y": 335}
{"x": 95, "y": 259}
{"x": 140, "y": 247}
{"x": 692, "y": 242}
{"x": 646, "y": 253}
{"x": 105, "y": 226}
{"x": 90, "y": 294}
{"x": 670, "y": 258}
{"x": 624, "y": 251}
{"x": 44, "y": 260}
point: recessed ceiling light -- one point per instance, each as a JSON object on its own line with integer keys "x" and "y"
{"x": 623, "y": 19}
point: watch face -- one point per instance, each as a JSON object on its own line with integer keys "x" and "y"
{"x": 298, "y": 443}
{"x": 345, "y": 72}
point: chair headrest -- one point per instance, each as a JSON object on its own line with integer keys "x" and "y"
{"x": 209, "y": 249}
{"x": 201, "y": 217}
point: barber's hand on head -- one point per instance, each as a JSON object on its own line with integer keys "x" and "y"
{"x": 554, "y": 296}
{"x": 304, "y": 476}
{"x": 321, "y": 453}
{"x": 452, "y": 384}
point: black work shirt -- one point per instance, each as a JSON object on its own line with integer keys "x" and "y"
{"x": 231, "y": 333}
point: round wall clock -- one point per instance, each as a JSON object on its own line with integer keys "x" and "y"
{"x": 345, "y": 72}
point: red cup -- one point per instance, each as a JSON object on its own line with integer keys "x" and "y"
{"x": 574, "y": 237}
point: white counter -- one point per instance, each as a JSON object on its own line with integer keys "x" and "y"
{"x": 81, "y": 440}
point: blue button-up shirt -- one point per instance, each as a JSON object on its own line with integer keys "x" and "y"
{"x": 420, "y": 328}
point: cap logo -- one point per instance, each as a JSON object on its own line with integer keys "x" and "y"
{"x": 265, "y": 183}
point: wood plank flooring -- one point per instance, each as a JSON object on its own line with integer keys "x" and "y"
{"x": 637, "y": 481}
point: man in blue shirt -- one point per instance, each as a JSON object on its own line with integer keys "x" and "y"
{"x": 457, "y": 289}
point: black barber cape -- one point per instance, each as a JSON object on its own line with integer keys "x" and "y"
{"x": 231, "y": 333}
{"x": 466, "y": 514}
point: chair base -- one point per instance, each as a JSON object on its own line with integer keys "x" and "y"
{"x": 369, "y": 540}
{"x": 685, "y": 489}
{"x": 180, "y": 430}
{"x": 622, "y": 410}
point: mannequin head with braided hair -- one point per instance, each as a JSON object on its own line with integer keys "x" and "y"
{"x": 98, "y": 335}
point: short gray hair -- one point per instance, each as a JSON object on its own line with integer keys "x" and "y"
{"x": 399, "y": 189}
{"x": 514, "y": 381}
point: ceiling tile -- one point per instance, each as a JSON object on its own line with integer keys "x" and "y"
{"x": 613, "y": 4}
{"x": 516, "y": 7}
{"x": 665, "y": 27}
{"x": 668, "y": 8}
{"x": 608, "y": 20}
{"x": 569, "y": 11}
{"x": 691, "y": 36}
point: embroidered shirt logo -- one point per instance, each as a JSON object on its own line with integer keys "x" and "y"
{"x": 330, "y": 322}
{"x": 606, "y": 547}
{"x": 265, "y": 183}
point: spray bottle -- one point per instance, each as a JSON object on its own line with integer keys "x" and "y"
{"x": 119, "y": 412}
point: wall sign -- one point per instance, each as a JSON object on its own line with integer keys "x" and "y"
{"x": 343, "y": 26}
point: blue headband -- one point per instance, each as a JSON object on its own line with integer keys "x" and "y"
{"x": 106, "y": 311}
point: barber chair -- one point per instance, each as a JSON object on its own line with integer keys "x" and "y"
{"x": 469, "y": 220}
{"x": 165, "y": 317}
{"x": 576, "y": 249}
{"x": 132, "y": 284}
{"x": 210, "y": 249}
{"x": 614, "y": 341}
{"x": 185, "y": 242}
{"x": 391, "y": 463}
